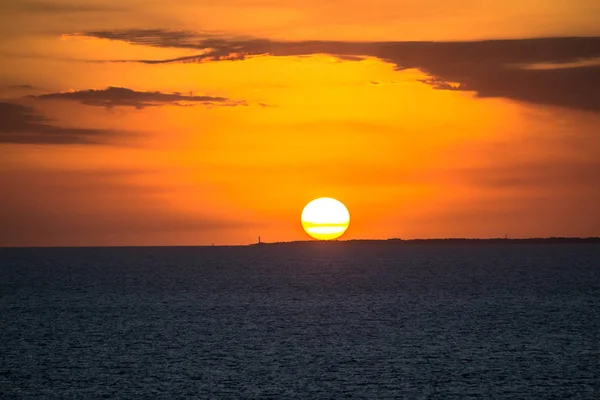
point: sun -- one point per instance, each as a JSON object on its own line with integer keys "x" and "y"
{"x": 325, "y": 218}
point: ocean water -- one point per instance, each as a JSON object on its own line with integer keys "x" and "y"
{"x": 318, "y": 320}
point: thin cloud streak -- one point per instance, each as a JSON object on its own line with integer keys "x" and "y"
{"x": 123, "y": 97}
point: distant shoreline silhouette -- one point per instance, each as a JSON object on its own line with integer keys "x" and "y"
{"x": 359, "y": 242}
{"x": 397, "y": 241}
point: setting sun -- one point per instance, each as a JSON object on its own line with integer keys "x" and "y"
{"x": 325, "y": 218}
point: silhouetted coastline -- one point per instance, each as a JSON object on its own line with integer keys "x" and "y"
{"x": 353, "y": 242}
{"x": 398, "y": 241}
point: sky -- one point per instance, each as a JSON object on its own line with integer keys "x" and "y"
{"x": 148, "y": 122}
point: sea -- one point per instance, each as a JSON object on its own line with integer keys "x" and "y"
{"x": 302, "y": 321}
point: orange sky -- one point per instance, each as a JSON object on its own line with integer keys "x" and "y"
{"x": 104, "y": 141}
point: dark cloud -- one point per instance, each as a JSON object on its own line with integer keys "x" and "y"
{"x": 160, "y": 38}
{"x": 494, "y": 68}
{"x": 21, "y": 124}
{"x": 117, "y": 96}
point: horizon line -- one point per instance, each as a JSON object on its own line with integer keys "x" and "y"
{"x": 540, "y": 240}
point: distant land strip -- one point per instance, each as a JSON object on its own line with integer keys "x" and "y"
{"x": 386, "y": 242}
{"x": 394, "y": 241}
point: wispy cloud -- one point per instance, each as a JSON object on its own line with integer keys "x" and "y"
{"x": 18, "y": 90}
{"x": 23, "y": 87}
{"x": 484, "y": 67}
{"x": 441, "y": 84}
{"x": 123, "y": 97}
{"x": 22, "y": 124}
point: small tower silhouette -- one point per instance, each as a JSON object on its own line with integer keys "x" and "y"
{"x": 259, "y": 240}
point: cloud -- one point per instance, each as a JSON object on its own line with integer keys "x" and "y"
{"x": 11, "y": 91}
{"x": 23, "y": 87}
{"x": 441, "y": 84}
{"x": 485, "y": 67}
{"x": 211, "y": 47}
{"x": 123, "y": 97}
{"x": 21, "y": 124}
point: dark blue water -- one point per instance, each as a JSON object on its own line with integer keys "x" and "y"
{"x": 314, "y": 321}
